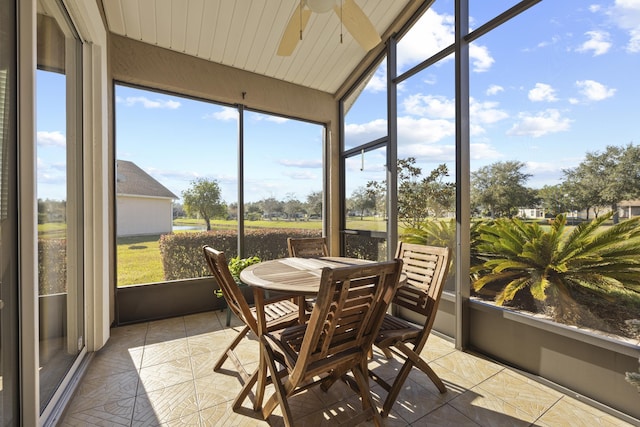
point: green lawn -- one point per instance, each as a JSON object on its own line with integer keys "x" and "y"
{"x": 138, "y": 260}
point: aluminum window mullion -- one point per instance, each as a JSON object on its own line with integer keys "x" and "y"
{"x": 240, "y": 108}
{"x": 463, "y": 252}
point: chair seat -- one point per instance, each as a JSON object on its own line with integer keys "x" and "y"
{"x": 279, "y": 313}
{"x": 395, "y": 329}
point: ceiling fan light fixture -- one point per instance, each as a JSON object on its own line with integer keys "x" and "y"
{"x": 320, "y": 6}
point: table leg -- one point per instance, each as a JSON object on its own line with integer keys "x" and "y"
{"x": 258, "y": 300}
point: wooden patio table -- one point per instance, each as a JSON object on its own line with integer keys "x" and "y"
{"x": 297, "y": 276}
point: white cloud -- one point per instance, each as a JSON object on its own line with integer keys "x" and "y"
{"x": 361, "y": 132}
{"x": 308, "y": 164}
{"x": 540, "y": 124}
{"x": 481, "y": 151}
{"x": 130, "y": 101}
{"x": 598, "y": 43}
{"x": 594, "y": 8}
{"x": 542, "y": 92}
{"x": 480, "y": 58}
{"x": 275, "y": 119}
{"x": 430, "y": 152}
{"x": 378, "y": 82}
{"x": 626, "y": 15}
{"x": 432, "y": 33}
{"x": 433, "y": 106}
{"x": 302, "y": 176}
{"x": 494, "y": 90}
{"x": 634, "y": 41}
{"x": 486, "y": 112}
{"x": 226, "y": 113}
{"x": 424, "y": 131}
{"x": 594, "y": 91}
{"x": 51, "y": 139}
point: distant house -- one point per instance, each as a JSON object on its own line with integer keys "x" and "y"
{"x": 143, "y": 205}
{"x": 530, "y": 213}
{"x": 629, "y": 208}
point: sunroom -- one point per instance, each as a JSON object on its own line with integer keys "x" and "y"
{"x": 322, "y": 131}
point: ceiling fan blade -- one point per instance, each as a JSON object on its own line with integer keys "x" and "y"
{"x": 291, "y": 35}
{"x": 358, "y": 24}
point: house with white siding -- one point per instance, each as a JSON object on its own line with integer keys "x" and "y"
{"x": 143, "y": 205}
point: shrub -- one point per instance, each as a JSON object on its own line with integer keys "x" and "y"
{"x": 182, "y": 256}
{"x": 52, "y": 268}
{"x": 557, "y": 264}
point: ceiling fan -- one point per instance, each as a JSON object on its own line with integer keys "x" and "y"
{"x": 352, "y": 17}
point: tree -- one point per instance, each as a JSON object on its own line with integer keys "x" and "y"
{"x": 582, "y": 188}
{"x": 609, "y": 176}
{"x": 555, "y": 199}
{"x": 499, "y": 188}
{"x": 314, "y": 203}
{"x": 272, "y": 207}
{"x": 362, "y": 200}
{"x": 420, "y": 197}
{"x": 292, "y": 207}
{"x": 203, "y": 199}
{"x": 377, "y": 191}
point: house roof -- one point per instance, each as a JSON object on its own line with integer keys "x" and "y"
{"x": 627, "y": 203}
{"x": 131, "y": 180}
{"x": 245, "y": 34}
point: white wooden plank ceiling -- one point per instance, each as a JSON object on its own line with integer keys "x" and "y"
{"x": 245, "y": 34}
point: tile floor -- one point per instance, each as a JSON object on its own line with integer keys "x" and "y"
{"x": 161, "y": 374}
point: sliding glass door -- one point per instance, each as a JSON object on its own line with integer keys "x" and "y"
{"x": 59, "y": 194}
{"x": 9, "y": 410}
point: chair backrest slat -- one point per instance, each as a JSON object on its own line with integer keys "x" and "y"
{"x": 348, "y": 313}
{"x": 307, "y": 247}
{"x": 426, "y": 270}
{"x": 231, "y": 291}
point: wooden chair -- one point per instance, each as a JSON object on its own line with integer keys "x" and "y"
{"x": 426, "y": 269}
{"x": 279, "y": 312}
{"x": 344, "y": 322}
{"x": 307, "y": 247}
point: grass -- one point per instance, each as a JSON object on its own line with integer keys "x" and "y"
{"x": 52, "y": 230}
{"x": 138, "y": 260}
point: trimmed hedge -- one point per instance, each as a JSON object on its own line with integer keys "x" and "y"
{"x": 182, "y": 252}
{"x": 52, "y": 266}
{"x": 366, "y": 247}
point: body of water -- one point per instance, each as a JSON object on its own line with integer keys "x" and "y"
{"x": 188, "y": 227}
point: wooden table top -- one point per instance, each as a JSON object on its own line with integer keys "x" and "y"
{"x": 293, "y": 275}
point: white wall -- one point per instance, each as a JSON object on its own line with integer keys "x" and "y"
{"x": 143, "y": 215}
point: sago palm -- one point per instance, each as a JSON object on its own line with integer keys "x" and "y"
{"x": 443, "y": 233}
{"x": 554, "y": 264}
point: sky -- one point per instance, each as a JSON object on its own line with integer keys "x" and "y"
{"x": 550, "y": 85}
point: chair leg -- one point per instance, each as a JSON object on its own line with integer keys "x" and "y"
{"x": 387, "y": 353}
{"x": 423, "y": 366}
{"x": 280, "y": 395}
{"x": 368, "y": 405}
{"x": 233, "y": 345}
{"x": 244, "y": 392}
{"x": 396, "y": 387}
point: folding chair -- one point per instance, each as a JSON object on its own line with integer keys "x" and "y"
{"x": 307, "y": 247}
{"x": 344, "y": 322}
{"x": 279, "y": 311}
{"x": 426, "y": 269}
